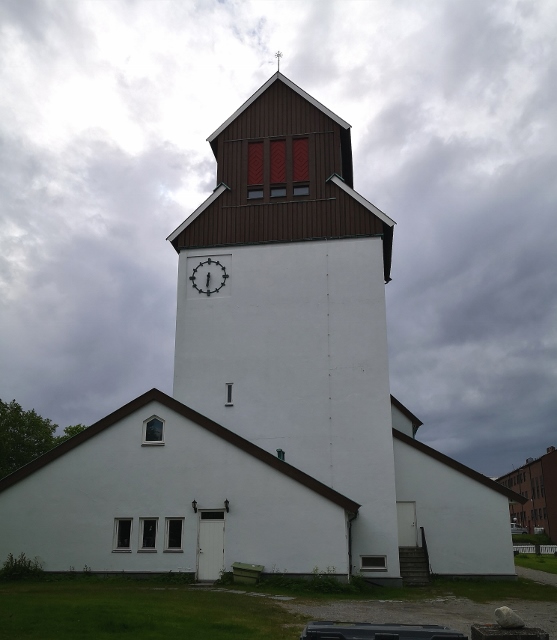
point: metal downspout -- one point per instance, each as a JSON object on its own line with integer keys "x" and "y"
{"x": 350, "y": 521}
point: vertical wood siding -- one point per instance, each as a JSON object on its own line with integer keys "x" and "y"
{"x": 282, "y": 138}
{"x": 337, "y": 216}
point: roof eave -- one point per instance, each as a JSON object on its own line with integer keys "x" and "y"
{"x": 219, "y": 190}
{"x": 458, "y": 466}
{"x": 154, "y": 395}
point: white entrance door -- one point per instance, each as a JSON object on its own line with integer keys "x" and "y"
{"x": 407, "y": 530}
{"x": 210, "y": 553}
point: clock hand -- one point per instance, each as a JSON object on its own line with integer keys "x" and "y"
{"x": 208, "y": 279}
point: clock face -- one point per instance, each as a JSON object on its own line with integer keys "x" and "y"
{"x": 209, "y": 277}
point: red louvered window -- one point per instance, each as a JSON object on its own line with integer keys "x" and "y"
{"x": 255, "y": 163}
{"x": 278, "y": 161}
{"x": 267, "y": 161}
{"x": 300, "y": 160}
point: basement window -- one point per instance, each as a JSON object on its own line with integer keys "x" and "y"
{"x": 122, "y": 535}
{"x": 373, "y": 563}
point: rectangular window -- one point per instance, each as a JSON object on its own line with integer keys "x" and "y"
{"x": 278, "y": 161}
{"x": 254, "y": 194}
{"x": 229, "y": 402}
{"x": 255, "y": 163}
{"x": 212, "y": 515}
{"x": 278, "y": 192}
{"x": 300, "y": 160}
{"x": 122, "y": 534}
{"x": 373, "y": 563}
{"x": 301, "y": 190}
{"x": 174, "y": 529}
{"x": 147, "y": 534}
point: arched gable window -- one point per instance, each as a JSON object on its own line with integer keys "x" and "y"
{"x": 153, "y": 431}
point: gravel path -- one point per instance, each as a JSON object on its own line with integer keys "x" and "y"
{"x": 537, "y": 576}
{"x": 453, "y": 612}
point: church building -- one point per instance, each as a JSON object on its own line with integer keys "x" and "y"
{"x": 281, "y": 445}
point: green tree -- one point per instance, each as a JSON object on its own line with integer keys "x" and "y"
{"x": 69, "y": 432}
{"x": 24, "y": 435}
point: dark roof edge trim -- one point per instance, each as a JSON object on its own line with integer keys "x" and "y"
{"x": 416, "y": 422}
{"x": 154, "y": 395}
{"x": 217, "y": 192}
{"x": 277, "y": 76}
{"x": 457, "y": 466}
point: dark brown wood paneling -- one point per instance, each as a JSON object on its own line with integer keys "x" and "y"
{"x": 279, "y": 113}
{"x": 335, "y": 216}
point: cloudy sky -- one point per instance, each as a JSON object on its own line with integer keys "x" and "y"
{"x": 105, "y": 106}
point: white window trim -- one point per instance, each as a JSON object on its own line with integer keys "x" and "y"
{"x": 140, "y": 547}
{"x": 362, "y": 568}
{"x": 166, "y": 534}
{"x": 150, "y": 443}
{"x": 115, "y": 547}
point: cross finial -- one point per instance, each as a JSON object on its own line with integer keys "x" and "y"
{"x": 278, "y": 56}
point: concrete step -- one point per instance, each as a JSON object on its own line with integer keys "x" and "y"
{"x": 414, "y": 568}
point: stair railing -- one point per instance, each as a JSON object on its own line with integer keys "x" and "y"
{"x": 424, "y": 547}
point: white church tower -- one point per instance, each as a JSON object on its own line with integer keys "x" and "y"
{"x": 281, "y": 324}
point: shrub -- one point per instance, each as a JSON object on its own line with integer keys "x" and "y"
{"x": 20, "y": 568}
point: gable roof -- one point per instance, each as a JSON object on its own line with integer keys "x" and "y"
{"x": 154, "y": 395}
{"x": 200, "y": 209}
{"x": 282, "y": 78}
{"x": 457, "y": 466}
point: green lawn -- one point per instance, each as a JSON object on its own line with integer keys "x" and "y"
{"x": 544, "y": 562}
{"x": 96, "y": 608}
{"x": 102, "y": 609}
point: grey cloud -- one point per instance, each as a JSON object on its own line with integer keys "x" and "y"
{"x": 92, "y": 324}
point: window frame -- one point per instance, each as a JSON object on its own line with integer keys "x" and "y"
{"x": 375, "y": 557}
{"x": 115, "y": 536}
{"x": 167, "y": 548}
{"x": 153, "y": 443}
{"x": 255, "y": 190}
{"x": 278, "y": 187}
{"x": 141, "y": 540}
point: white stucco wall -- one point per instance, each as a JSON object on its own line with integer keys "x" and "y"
{"x": 466, "y": 523}
{"x": 64, "y": 513}
{"x": 300, "y": 331}
{"x": 401, "y": 422}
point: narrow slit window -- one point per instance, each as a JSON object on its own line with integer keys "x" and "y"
{"x": 229, "y": 402}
